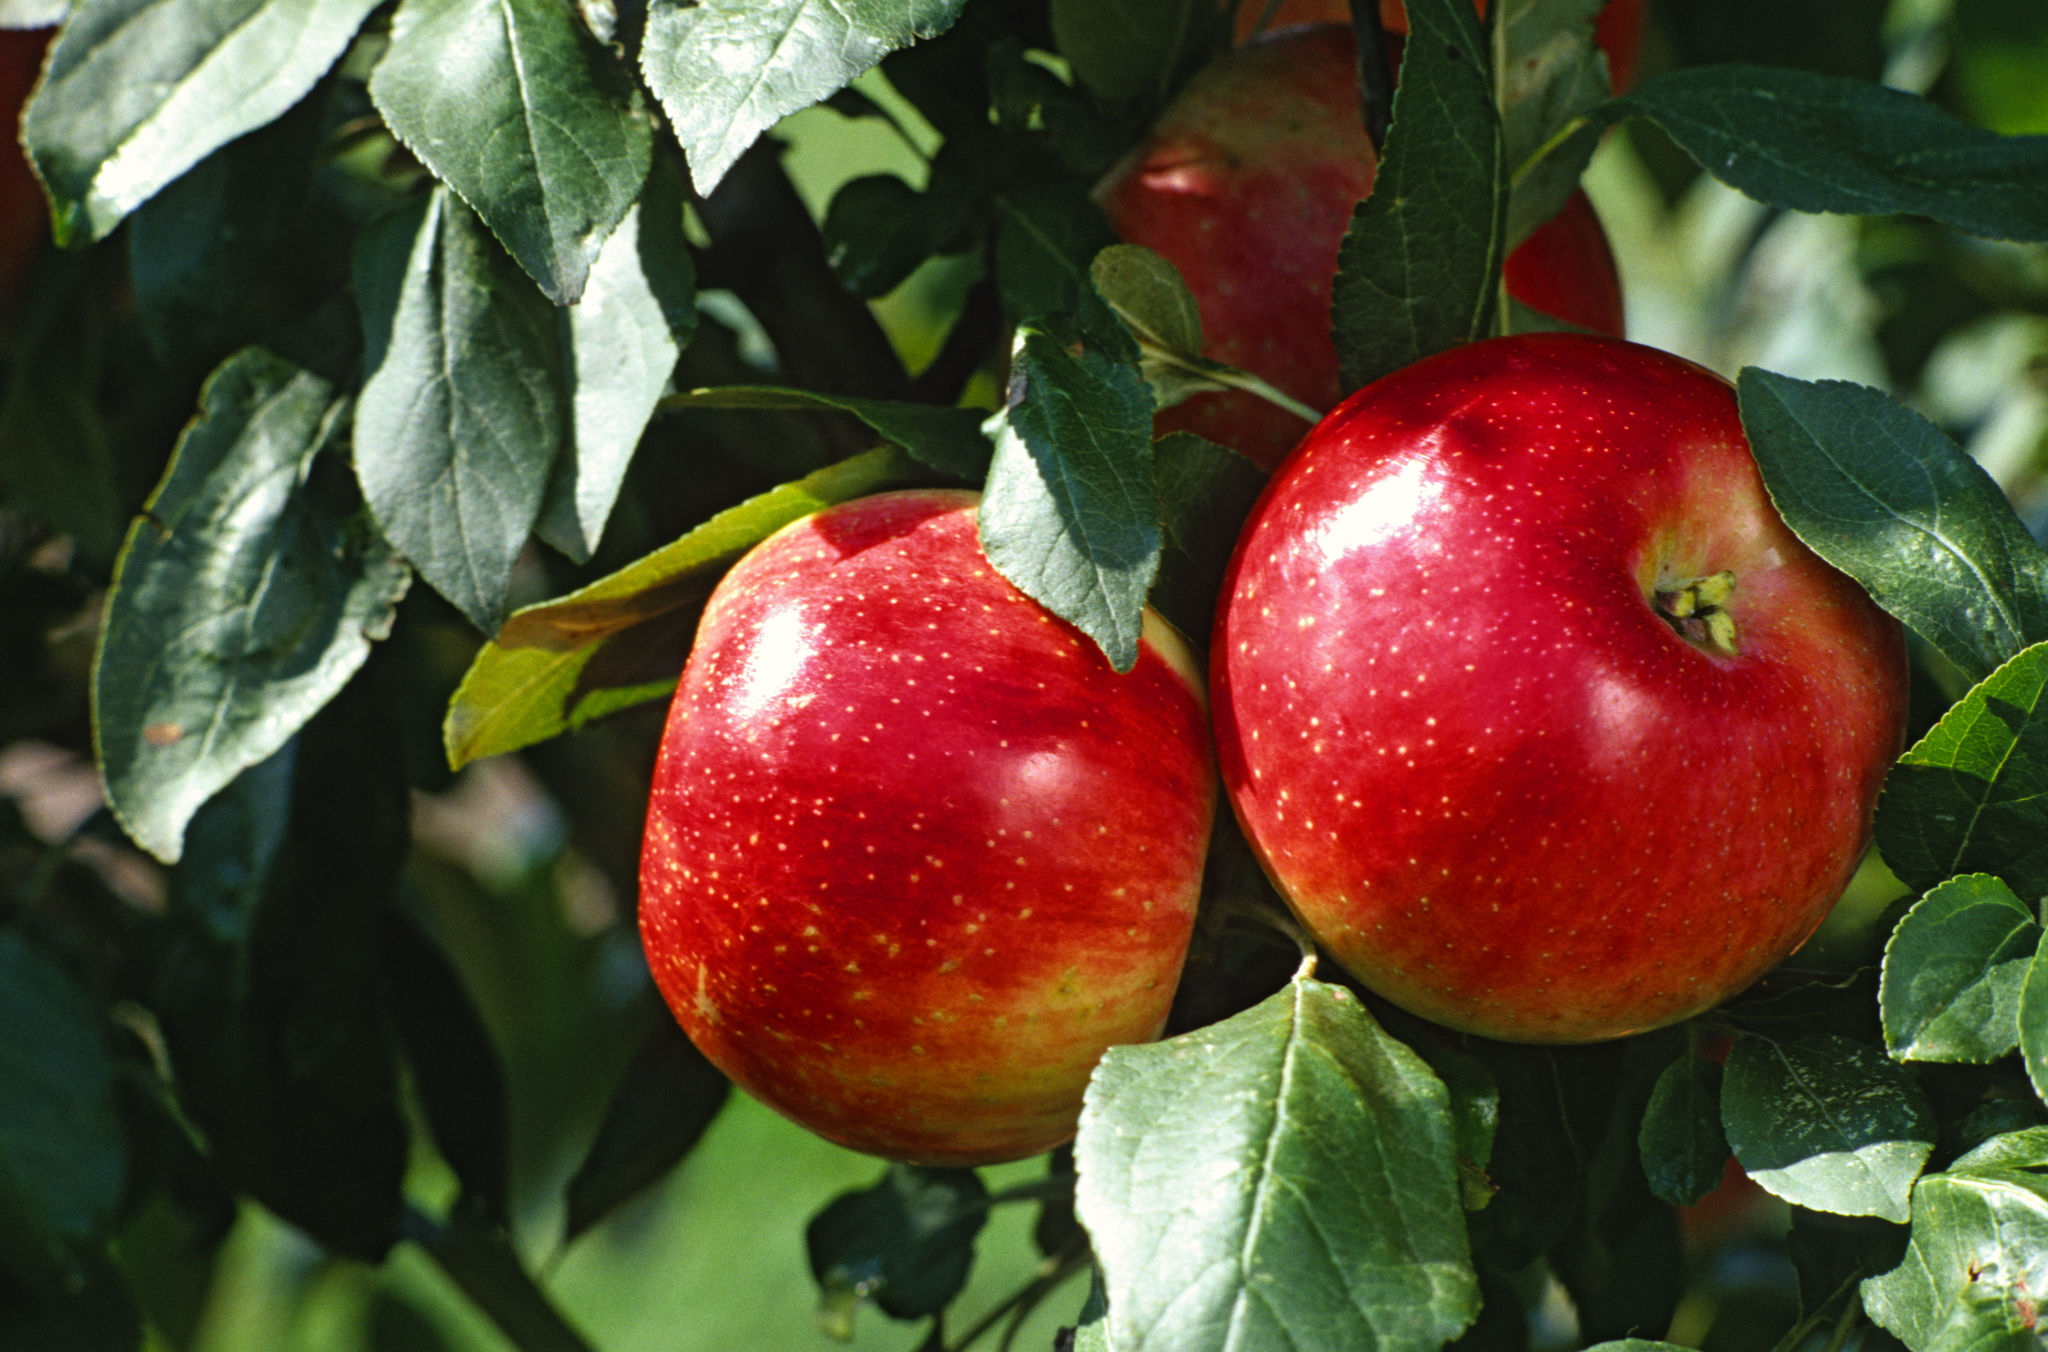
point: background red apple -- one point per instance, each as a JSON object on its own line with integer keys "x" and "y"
{"x": 1545, "y": 724}
{"x": 1246, "y": 184}
{"x": 24, "y": 212}
{"x": 916, "y": 855}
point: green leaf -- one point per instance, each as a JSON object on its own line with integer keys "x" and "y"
{"x": 456, "y": 1070}
{"x": 1548, "y": 74}
{"x": 517, "y": 108}
{"x": 242, "y": 602}
{"x": 1814, "y": 142}
{"x": 1683, "y": 1145}
{"x": 138, "y": 91}
{"x": 2005, "y": 1153}
{"x": 1147, "y": 293}
{"x": 878, "y": 229}
{"x": 1419, "y": 269}
{"x": 1880, "y": 493}
{"x": 59, "y": 465}
{"x": 1952, "y": 973}
{"x": 949, "y": 440}
{"x": 727, "y": 70}
{"x": 200, "y": 249}
{"x": 1827, "y": 1123}
{"x": 666, "y": 1101}
{"x": 1972, "y": 795}
{"x": 621, "y": 640}
{"x": 2033, "y": 1019}
{"x": 63, "y": 1150}
{"x": 906, "y": 1243}
{"x": 275, "y": 1021}
{"x": 1205, "y": 493}
{"x": 1973, "y": 1277}
{"x": 1636, "y": 1345}
{"x": 622, "y": 339}
{"x": 464, "y": 410}
{"x": 1070, "y": 515}
{"x": 1047, "y": 235}
{"x": 1284, "y": 1179}
{"x": 1133, "y": 50}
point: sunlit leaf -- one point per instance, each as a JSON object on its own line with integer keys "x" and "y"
{"x": 1284, "y": 1179}
{"x": 463, "y": 411}
{"x": 621, "y": 640}
{"x": 1827, "y": 1123}
{"x": 138, "y": 91}
{"x": 1952, "y": 972}
{"x": 243, "y": 601}
{"x": 727, "y": 70}
{"x": 517, "y": 108}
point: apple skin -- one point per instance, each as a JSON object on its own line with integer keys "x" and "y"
{"x": 915, "y": 854}
{"x": 1246, "y": 183}
{"x": 24, "y": 211}
{"x": 1488, "y": 775}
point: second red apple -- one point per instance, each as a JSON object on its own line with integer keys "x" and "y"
{"x": 1246, "y": 183}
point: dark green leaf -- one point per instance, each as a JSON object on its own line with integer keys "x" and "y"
{"x": 727, "y": 70}
{"x": 1135, "y": 49}
{"x": 277, "y": 1028}
{"x": 517, "y": 108}
{"x": 1636, "y": 1345}
{"x": 1682, "y": 1143}
{"x": 621, "y": 640}
{"x": 464, "y": 410}
{"x": 1844, "y": 1003}
{"x": 1419, "y": 270}
{"x": 1547, "y": 74}
{"x": 1284, "y": 1179}
{"x": 949, "y": 440}
{"x": 1879, "y": 492}
{"x": 138, "y": 91}
{"x": 1814, "y": 142}
{"x": 200, "y": 249}
{"x": 59, "y": 465}
{"x": 636, "y": 316}
{"x": 1952, "y": 973}
{"x": 242, "y": 602}
{"x": 1978, "y": 1265}
{"x": 2033, "y": 1018}
{"x": 1205, "y": 493}
{"x": 661, "y": 1109}
{"x": 1972, "y": 795}
{"x": 1070, "y": 515}
{"x": 1047, "y": 235}
{"x": 63, "y": 1152}
{"x": 878, "y": 228}
{"x": 456, "y": 1070}
{"x": 2005, "y": 1153}
{"x": 906, "y": 1243}
{"x": 1827, "y": 1123}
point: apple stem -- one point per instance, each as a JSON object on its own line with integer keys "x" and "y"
{"x": 1696, "y": 609}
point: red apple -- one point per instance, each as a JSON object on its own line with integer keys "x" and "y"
{"x": 24, "y": 211}
{"x": 1246, "y": 184}
{"x": 1545, "y": 724}
{"x": 916, "y": 854}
